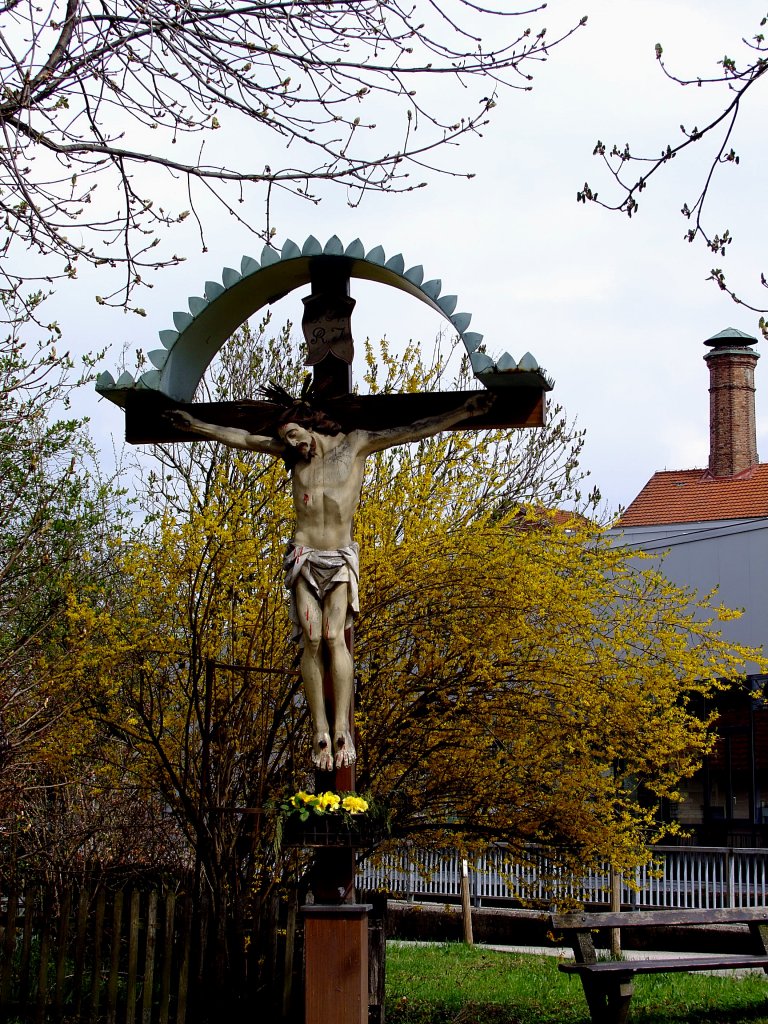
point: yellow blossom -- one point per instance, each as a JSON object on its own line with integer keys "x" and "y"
{"x": 354, "y": 804}
{"x": 328, "y": 802}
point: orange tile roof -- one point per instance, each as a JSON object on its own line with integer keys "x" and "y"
{"x": 694, "y": 496}
{"x": 563, "y": 517}
{"x": 558, "y": 516}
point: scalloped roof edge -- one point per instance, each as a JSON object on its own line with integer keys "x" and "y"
{"x": 213, "y": 317}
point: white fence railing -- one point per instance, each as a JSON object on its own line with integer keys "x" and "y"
{"x": 689, "y": 876}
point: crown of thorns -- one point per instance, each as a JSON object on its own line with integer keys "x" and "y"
{"x": 302, "y": 410}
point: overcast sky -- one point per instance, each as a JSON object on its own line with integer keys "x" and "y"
{"x": 615, "y": 310}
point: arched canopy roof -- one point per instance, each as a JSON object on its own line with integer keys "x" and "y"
{"x": 198, "y": 335}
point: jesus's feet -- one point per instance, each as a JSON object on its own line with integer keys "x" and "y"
{"x": 322, "y": 755}
{"x": 345, "y": 748}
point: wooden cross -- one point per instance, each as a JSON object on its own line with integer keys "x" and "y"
{"x": 336, "y": 931}
{"x": 327, "y": 330}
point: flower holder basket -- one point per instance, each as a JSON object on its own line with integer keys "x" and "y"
{"x": 329, "y": 831}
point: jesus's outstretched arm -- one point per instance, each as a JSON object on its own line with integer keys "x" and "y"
{"x": 378, "y": 440}
{"x": 234, "y": 437}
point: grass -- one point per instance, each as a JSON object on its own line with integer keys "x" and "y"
{"x": 456, "y": 984}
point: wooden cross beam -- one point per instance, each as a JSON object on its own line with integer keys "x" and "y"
{"x": 146, "y": 422}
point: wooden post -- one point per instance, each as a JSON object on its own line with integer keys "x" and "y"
{"x": 466, "y": 904}
{"x": 98, "y": 939}
{"x": 114, "y": 962}
{"x": 290, "y": 945}
{"x": 336, "y": 930}
{"x": 377, "y": 958}
{"x": 615, "y": 909}
{"x": 185, "y": 947}
{"x": 165, "y": 977}
{"x": 45, "y": 951}
{"x": 336, "y": 952}
{"x": 147, "y": 992}
{"x": 30, "y": 910}
{"x": 79, "y": 959}
{"x": 9, "y": 944}
{"x": 133, "y": 956}
{"x": 62, "y": 936}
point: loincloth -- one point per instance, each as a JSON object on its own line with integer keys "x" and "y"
{"x": 322, "y": 571}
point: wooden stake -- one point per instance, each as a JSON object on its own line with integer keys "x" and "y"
{"x": 466, "y": 904}
{"x": 615, "y": 909}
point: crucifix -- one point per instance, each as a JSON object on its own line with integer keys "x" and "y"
{"x": 323, "y": 438}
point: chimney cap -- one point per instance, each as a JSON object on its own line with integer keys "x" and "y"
{"x": 731, "y": 337}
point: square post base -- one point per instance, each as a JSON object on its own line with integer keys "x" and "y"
{"x": 336, "y": 963}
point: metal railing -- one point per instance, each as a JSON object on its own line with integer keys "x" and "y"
{"x": 684, "y": 877}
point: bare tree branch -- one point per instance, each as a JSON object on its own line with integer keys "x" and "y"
{"x": 622, "y": 163}
{"x": 84, "y": 84}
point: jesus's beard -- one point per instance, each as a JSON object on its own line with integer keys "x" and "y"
{"x": 308, "y": 450}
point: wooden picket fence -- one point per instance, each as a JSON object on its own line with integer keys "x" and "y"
{"x": 119, "y": 956}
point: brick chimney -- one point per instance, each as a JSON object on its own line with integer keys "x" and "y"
{"x": 732, "y": 431}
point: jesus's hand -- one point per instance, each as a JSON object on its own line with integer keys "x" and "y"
{"x": 479, "y": 404}
{"x": 180, "y": 419}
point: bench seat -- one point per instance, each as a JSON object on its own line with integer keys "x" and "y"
{"x": 715, "y": 962}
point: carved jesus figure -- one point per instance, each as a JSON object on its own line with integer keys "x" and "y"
{"x": 326, "y": 467}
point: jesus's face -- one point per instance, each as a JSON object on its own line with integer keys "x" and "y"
{"x": 300, "y": 439}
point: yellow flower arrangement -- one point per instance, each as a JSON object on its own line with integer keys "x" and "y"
{"x": 327, "y": 819}
{"x": 306, "y": 804}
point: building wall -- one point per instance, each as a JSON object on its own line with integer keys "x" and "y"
{"x": 726, "y": 803}
{"x": 731, "y": 555}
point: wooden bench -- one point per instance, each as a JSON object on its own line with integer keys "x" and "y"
{"x": 608, "y": 984}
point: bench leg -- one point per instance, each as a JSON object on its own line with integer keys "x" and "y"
{"x": 596, "y": 1000}
{"x": 759, "y": 933}
{"x": 619, "y": 996}
{"x": 608, "y": 998}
